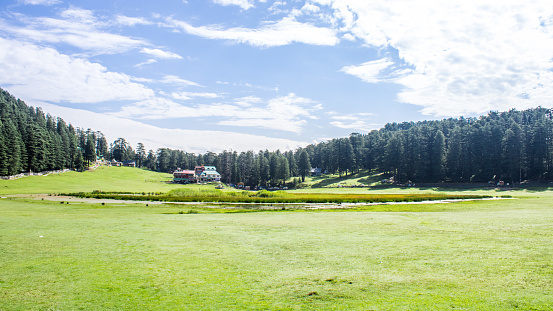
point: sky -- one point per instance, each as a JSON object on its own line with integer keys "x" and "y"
{"x": 244, "y": 75}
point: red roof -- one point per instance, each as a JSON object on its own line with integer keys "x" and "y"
{"x": 184, "y": 172}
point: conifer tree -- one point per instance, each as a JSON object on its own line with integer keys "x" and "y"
{"x": 304, "y": 165}
{"x": 438, "y": 157}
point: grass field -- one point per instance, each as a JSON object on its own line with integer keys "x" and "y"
{"x": 103, "y": 178}
{"x": 478, "y": 255}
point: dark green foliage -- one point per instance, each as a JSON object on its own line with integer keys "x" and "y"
{"x": 12, "y": 145}
{"x": 121, "y": 150}
{"x": 90, "y": 149}
{"x": 438, "y": 157}
{"x": 283, "y": 170}
{"x": 140, "y": 155}
{"x": 33, "y": 141}
{"x": 511, "y": 146}
{"x": 304, "y": 165}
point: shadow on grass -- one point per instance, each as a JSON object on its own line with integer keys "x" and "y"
{"x": 373, "y": 179}
{"x": 324, "y": 181}
{"x": 363, "y": 177}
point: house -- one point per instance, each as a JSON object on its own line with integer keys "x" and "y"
{"x": 210, "y": 174}
{"x": 315, "y": 172}
{"x": 207, "y": 174}
{"x": 199, "y": 174}
{"x": 184, "y": 176}
{"x": 199, "y": 169}
{"x": 210, "y": 168}
{"x": 129, "y": 163}
{"x": 115, "y": 163}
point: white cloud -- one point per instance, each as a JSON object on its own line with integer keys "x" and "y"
{"x": 77, "y": 27}
{"x": 190, "y": 95}
{"x": 132, "y": 21}
{"x": 248, "y": 101}
{"x": 369, "y": 71}
{"x": 283, "y": 32}
{"x": 79, "y": 15}
{"x": 348, "y": 37}
{"x": 356, "y": 122}
{"x": 155, "y": 137}
{"x": 355, "y": 125}
{"x": 44, "y": 74}
{"x": 171, "y": 79}
{"x": 275, "y": 7}
{"x": 160, "y": 53}
{"x": 467, "y": 57}
{"x": 147, "y": 62}
{"x": 308, "y": 7}
{"x": 244, "y": 4}
{"x": 285, "y": 113}
{"x": 40, "y": 2}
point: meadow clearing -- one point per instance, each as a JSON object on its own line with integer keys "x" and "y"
{"x": 475, "y": 255}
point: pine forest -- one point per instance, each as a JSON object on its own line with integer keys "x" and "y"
{"x": 513, "y": 146}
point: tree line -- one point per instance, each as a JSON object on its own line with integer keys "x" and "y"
{"x": 512, "y": 146}
{"x": 31, "y": 141}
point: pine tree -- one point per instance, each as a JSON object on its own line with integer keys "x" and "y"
{"x": 12, "y": 148}
{"x": 304, "y": 165}
{"x": 264, "y": 170}
{"x": 438, "y": 157}
{"x": 394, "y": 156}
{"x": 90, "y": 150}
{"x": 3, "y": 156}
{"x": 273, "y": 164}
{"x": 512, "y": 153}
{"x": 347, "y": 158}
{"x": 78, "y": 161}
{"x": 283, "y": 170}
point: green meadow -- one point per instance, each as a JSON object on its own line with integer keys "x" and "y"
{"x": 474, "y": 255}
{"x": 103, "y": 178}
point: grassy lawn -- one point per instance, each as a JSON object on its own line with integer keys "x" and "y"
{"x": 103, "y": 178}
{"x": 478, "y": 255}
{"x": 493, "y": 255}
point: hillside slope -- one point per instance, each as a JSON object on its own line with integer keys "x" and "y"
{"x": 103, "y": 178}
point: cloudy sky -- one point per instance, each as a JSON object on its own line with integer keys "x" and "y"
{"x": 256, "y": 74}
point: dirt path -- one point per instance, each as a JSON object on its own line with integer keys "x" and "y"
{"x": 62, "y": 198}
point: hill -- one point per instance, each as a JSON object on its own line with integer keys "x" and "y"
{"x": 104, "y": 178}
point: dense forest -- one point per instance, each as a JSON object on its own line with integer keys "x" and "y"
{"x": 512, "y": 146}
{"x": 31, "y": 141}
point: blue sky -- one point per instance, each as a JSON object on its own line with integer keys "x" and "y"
{"x": 250, "y": 74}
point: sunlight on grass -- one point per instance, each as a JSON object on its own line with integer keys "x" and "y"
{"x": 492, "y": 255}
{"x": 475, "y": 255}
